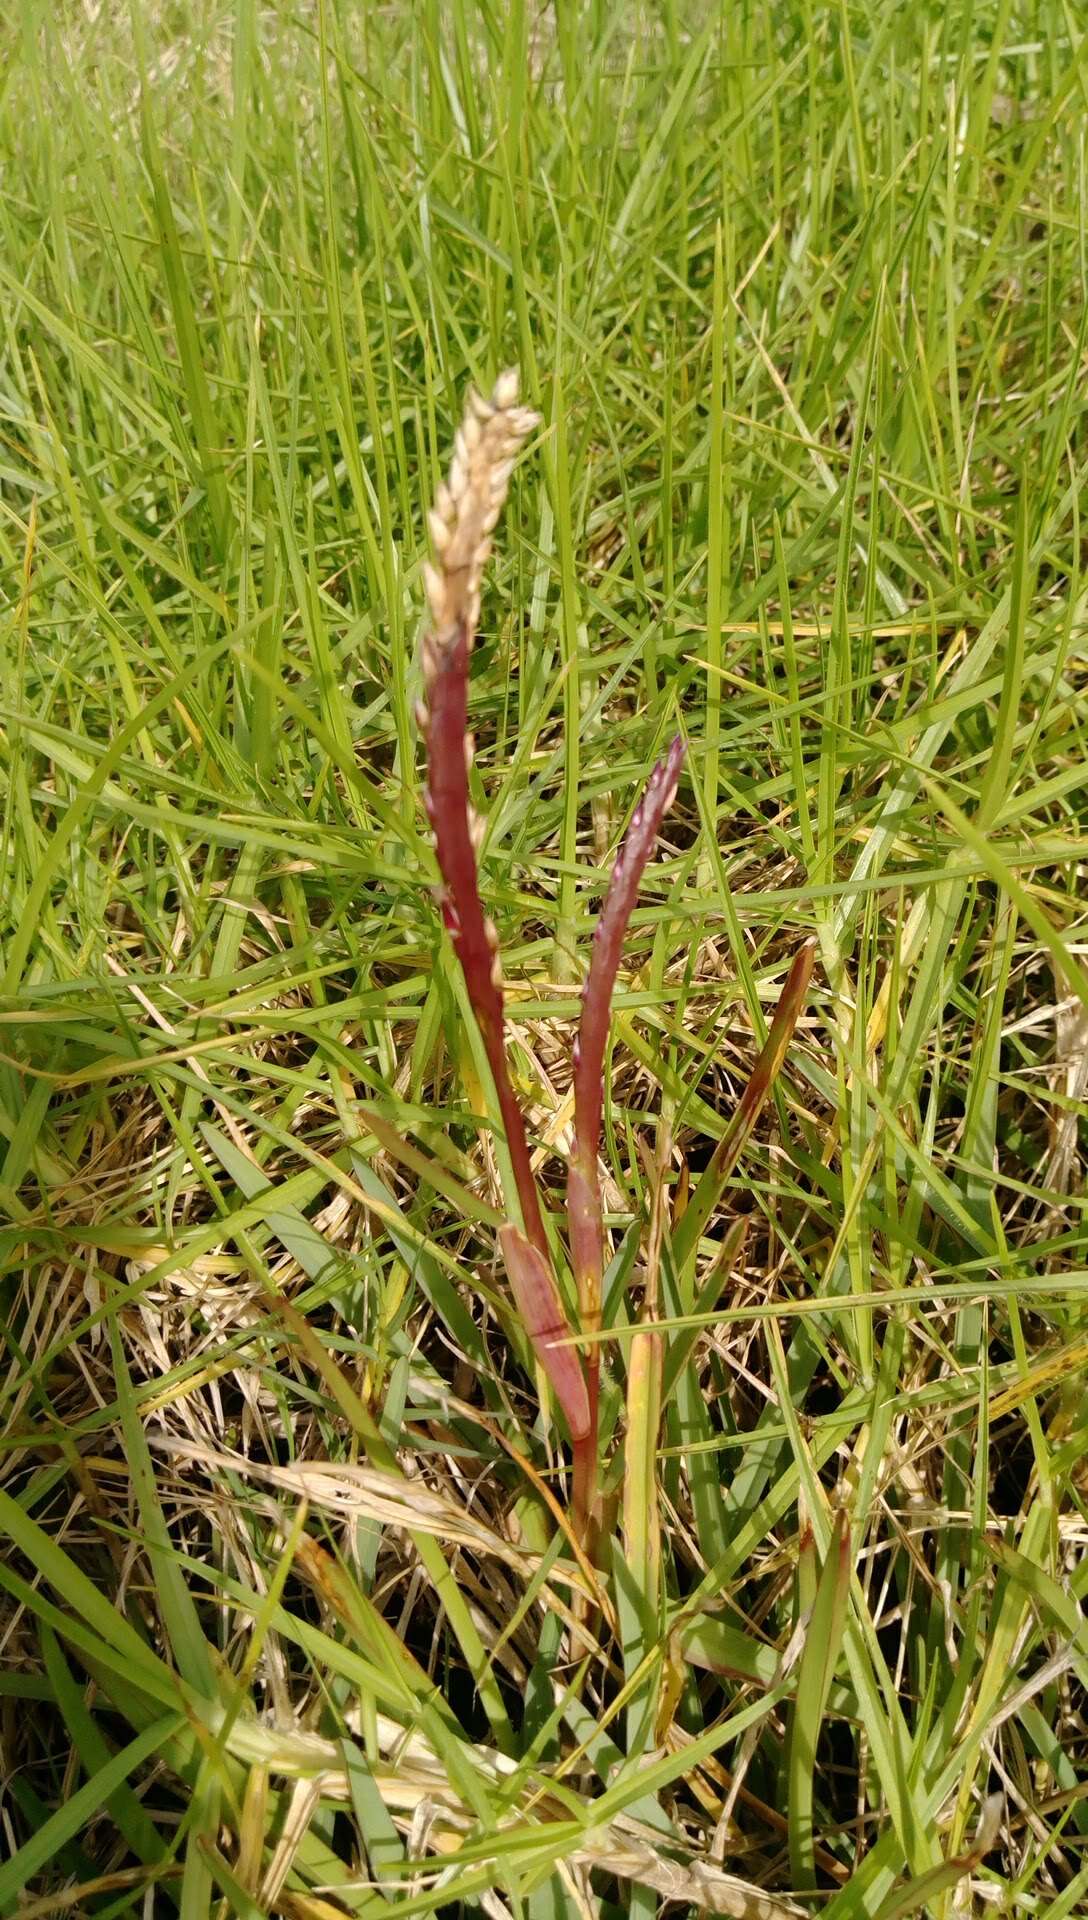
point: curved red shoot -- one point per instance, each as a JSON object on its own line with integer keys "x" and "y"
{"x": 584, "y": 1214}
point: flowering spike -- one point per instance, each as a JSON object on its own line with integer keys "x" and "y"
{"x": 468, "y": 504}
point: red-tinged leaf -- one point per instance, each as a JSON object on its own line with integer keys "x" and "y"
{"x": 689, "y": 1230}
{"x": 545, "y": 1322}
{"x": 584, "y": 1211}
{"x": 608, "y": 938}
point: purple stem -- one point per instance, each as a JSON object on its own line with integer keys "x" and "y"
{"x": 474, "y": 938}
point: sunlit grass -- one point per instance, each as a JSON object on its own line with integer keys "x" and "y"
{"x": 291, "y": 1616}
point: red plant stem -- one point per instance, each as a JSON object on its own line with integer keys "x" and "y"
{"x": 474, "y": 939}
{"x": 584, "y": 1211}
{"x": 583, "y": 1502}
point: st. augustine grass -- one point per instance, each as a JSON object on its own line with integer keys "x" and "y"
{"x": 289, "y": 1618}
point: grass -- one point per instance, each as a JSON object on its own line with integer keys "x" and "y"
{"x": 290, "y": 1616}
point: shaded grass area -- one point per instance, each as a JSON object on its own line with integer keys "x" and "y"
{"x": 289, "y": 1621}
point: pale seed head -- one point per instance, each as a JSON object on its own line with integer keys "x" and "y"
{"x": 467, "y": 505}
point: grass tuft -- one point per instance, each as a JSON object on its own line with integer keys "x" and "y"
{"x": 294, "y": 1616}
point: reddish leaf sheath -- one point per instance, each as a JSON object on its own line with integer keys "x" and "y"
{"x": 473, "y": 936}
{"x": 545, "y": 1323}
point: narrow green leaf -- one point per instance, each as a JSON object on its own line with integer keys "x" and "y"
{"x": 70, "y": 1818}
{"x": 186, "y": 1640}
{"x": 823, "y": 1642}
